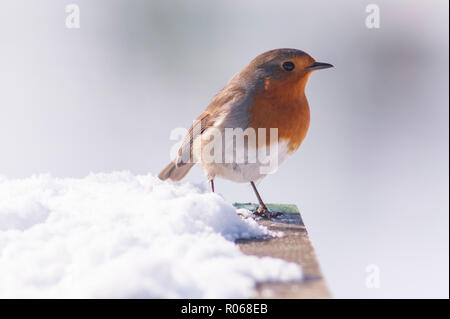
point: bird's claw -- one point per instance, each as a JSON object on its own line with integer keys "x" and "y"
{"x": 264, "y": 212}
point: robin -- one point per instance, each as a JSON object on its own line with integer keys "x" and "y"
{"x": 267, "y": 95}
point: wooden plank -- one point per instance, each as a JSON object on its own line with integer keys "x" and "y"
{"x": 295, "y": 246}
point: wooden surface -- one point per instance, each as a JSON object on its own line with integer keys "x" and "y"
{"x": 295, "y": 247}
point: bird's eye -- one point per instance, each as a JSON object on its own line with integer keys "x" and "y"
{"x": 288, "y": 66}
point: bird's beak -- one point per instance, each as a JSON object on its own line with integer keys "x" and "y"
{"x": 319, "y": 66}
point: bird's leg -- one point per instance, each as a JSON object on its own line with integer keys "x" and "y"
{"x": 211, "y": 182}
{"x": 262, "y": 209}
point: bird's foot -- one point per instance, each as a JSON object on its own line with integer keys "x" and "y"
{"x": 264, "y": 212}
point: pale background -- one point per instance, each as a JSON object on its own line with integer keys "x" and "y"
{"x": 371, "y": 179}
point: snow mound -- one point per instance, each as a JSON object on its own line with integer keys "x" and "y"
{"x": 119, "y": 235}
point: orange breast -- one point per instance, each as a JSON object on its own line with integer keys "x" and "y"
{"x": 282, "y": 105}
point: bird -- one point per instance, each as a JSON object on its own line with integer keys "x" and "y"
{"x": 266, "y": 95}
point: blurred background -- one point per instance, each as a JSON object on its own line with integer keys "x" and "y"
{"x": 371, "y": 179}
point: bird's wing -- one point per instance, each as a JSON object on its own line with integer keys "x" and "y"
{"x": 229, "y": 108}
{"x": 185, "y": 155}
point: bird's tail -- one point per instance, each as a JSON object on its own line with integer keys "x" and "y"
{"x": 175, "y": 173}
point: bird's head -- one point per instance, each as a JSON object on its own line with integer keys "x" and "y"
{"x": 282, "y": 67}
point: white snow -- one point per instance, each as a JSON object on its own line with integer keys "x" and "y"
{"x": 118, "y": 235}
